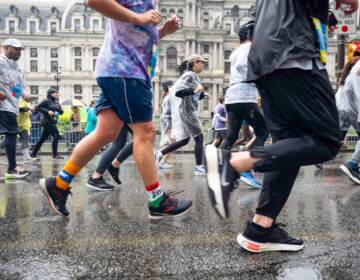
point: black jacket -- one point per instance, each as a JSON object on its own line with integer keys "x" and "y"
{"x": 49, "y": 104}
{"x": 284, "y": 31}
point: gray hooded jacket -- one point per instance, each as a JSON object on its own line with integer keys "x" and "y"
{"x": 12, "y": 84}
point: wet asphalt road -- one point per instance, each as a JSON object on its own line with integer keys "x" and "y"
{"x": 109, "y": 236}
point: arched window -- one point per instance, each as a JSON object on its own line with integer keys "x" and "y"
{"x": 172, "y": 12}
{"x": 180, "y": 14}
{"x": 171, "y": 57}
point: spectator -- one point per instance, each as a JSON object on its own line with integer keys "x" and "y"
{"x": 76, "y": 128}
{"x": 91, "y": 118}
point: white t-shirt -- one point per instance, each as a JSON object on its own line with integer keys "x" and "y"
{"x": 240, "y": 91}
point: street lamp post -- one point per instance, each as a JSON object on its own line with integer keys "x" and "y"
{"x": 57, "y": 76}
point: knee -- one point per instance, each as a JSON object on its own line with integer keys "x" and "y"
{"x": 106, "y": 135}
{"x": 146, "y": 133}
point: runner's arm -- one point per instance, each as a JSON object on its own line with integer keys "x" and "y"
{"x": 112, "y": 9}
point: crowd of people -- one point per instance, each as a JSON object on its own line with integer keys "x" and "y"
{"x": 278, "y": 87}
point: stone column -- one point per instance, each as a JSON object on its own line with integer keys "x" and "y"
{"x": 187, "y": 49}
{"x": 214, "y": 96}
{"x": 193, "y": 18}
{"x": 215, "y": 55}
{"x": 221, "y": 56}
{"x": 187, "y": 13}
{"x": 193, "y": 46}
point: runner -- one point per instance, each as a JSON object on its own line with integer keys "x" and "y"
{"x": 219, "y": 122}
{"x": 184, "y": 98}
{"x": 241, "y": 101}
{"x": 125, "y": 60}
{"x": 350, "y": 105}
{"x": 12, "y": 85}
{"x": 165, "y": 124}
{"x": 50, "y": 110}
{"x": 299, "y": 106}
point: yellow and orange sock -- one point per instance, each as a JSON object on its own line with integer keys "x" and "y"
{"x": 65, "y": 177}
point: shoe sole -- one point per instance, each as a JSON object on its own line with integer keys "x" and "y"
{"x": 213, "y": 180}
{"x": 348, "y": 173}
{"x": 256, "y": 247}
{"x": 199, "y": 173}
{"x": 42, "y": 183}
{"x": 111, "y": 177}
{"x": 98, "y": 189}
{"x": 169, "y": 216}
{"x": 9, "y": 176}
{"x": 249, "y": 182}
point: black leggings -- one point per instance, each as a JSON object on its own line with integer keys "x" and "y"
{"x": 250, "y": 112}
{"x": 198, "y": 148}
{"x": 49, "y": 129}
{"x": 10, "y": 148}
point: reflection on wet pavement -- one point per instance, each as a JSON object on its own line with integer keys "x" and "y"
{"x": 109, "y": 236}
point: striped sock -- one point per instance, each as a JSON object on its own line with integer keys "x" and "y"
{"x": 156, "y": 195}
{"x": 64, "y": 178}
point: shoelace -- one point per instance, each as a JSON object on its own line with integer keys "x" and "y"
{"x": 280, "y": 226}
{"x": 172, "y": 192}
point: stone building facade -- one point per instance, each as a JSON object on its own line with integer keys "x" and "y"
{"x": 208, "y": 28}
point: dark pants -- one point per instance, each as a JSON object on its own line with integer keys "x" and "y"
{"x": 108, "y": 156}
{"x": 10, "y": 148}
{"x": 302, "y": 118}
{"x": 48, "y": 129}
{"x": 238, "y": 112}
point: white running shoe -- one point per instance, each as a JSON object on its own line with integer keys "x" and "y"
{"x": 200, "y": 171}
{"x": 165, "y": 165}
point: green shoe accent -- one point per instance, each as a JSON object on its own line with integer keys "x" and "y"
{"x": 157, "y": 201}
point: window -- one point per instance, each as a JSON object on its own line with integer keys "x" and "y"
{"x": 206, "y": 65}
{"x": 227, "y": 54}
{"x": 78, "y": 51}
{"x": 205, "y": 103}
{"x": 33, "y": 66}
{"x": 11, "y": 26}
{"x": 228, "y": 28}
{"x": 54, "y": 52}
{"x": 171, "y": 55}
{"x": 94, "y": 64}
{"x": 54, "y": 66}
{"x": 96, "y": 52}
{"x": 77, "y": 24}
{"x": 96, "y": 24}
{"x": 78, "y": 64}
{"x": 78, "y": 92}
{"x": 53, "y": 28}
{"x": 33, "y": 52}
{"x": 95, "y": 92}
{"x": 32, "y": 27}
{"x": 206, "y": 48}
{"x": 34, "y": 90}
{"x": 181, "y": 15}
{"x": 172, "y": 12}
{"x": 206, "y": 24}
{"x": 227, "y": 66}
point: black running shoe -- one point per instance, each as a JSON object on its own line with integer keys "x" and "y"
{"x": 17, "y": 174}
{"x": 99, "y": 184}
{"x": 114, "y": 174}
{"x": 352, "y": 173}
{"x": 57, "y": 157}
{"x": 56, "y": 196}
{"x": 170, "y": 207}
{"x": 221, "y": 178}
{"x": 257, "y": 239}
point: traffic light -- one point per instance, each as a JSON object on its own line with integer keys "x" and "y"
{"x": 352, "y": 47}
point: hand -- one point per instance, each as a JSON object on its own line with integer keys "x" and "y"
{"x": 151, "y": 17}
{"x": 199, "y": 88}
{"x": 354, "y": 5}
{"x": 208, "y": 95}
{"x": 2, "y": 96}
{"x": 51, "y": 113}
{"x": 170, "y": 26}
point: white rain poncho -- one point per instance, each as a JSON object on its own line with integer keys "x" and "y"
{"x": 348, "y": 100}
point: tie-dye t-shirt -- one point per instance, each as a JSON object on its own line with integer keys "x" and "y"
{"x": 127, "y": 48}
